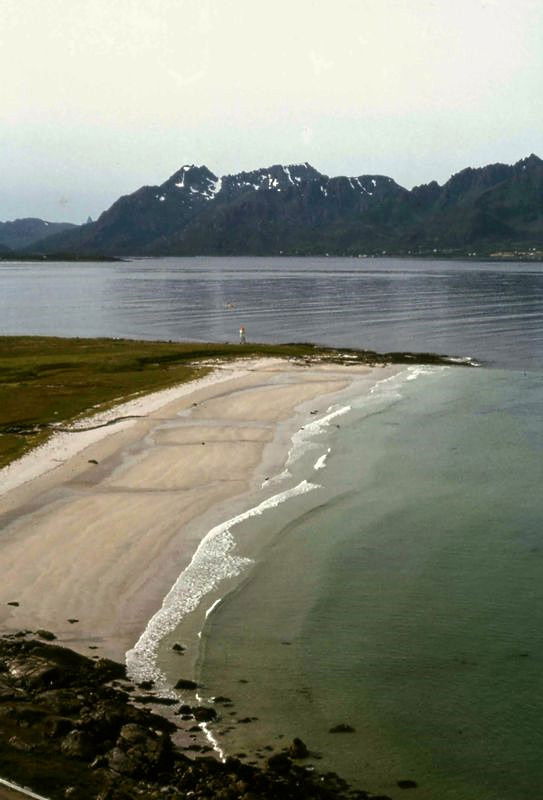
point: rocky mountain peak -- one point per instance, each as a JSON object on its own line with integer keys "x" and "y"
{"x": 293, "y": 208}
{"x": 194, "y": 180}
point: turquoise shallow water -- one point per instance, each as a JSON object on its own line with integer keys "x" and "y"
{"x": 404, "y": 597}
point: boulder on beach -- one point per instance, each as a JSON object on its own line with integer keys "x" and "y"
{"x": 48, "y": 635}
{"x": 298, "y": 749}
{"x": 184, "y": 683}
{"x": 407, "y": 784}
{"x": 204, "y": 714}
{"x": 342, "y": 728}
{"x": 280, "y": 763}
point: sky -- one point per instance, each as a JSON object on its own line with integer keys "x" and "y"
{"x": 99, "y": 97}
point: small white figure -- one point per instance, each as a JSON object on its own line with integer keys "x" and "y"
{"x": 242, "y": 339}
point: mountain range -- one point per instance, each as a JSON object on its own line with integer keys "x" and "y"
{"x": 296, "y": 210}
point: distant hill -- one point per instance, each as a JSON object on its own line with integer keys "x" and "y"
{"x": 22, "y": 233}
{"x": 296, "y": 210}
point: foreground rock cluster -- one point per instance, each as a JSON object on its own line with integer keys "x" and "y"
{"x": 69, "y": 729}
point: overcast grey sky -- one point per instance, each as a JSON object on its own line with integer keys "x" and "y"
{"x": 99, "y": 97}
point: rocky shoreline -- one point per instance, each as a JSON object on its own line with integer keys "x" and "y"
{"x": 76, "y": 727}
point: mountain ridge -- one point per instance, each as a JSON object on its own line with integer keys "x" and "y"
{"x": 20, "y": 233}
{"x": 296, "y": 210}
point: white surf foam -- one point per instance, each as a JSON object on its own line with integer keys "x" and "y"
{"x": 212, "y": 563}
{"x": 320, "y": 463}
{"x": 416, "y": 372}
{"x": 463, "y": 360}
{"x": 301, "y": 440}
{"x": 212, "y": 607}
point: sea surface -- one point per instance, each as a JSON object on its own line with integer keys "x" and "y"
{"x": 494, "y": 311}
{"x": 393, "y": 579}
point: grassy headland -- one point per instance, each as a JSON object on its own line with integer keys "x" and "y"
{"x": 45, "y": 381}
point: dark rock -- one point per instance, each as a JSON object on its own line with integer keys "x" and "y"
{"x": 13, "y": 603}
{"x": 179, "y": 648}
{"x": 146, "y": 685}
{"x": 280, "y": 763}
{"x": 73, "y": 620}
{"x": 139, "y": 752}
{"x": 54, "y": 727}
{"x": 103, "y": 723}
{"x": 78, "y": 744}
{"x": 183, "y": 683}
{"x": 124, "y": 763}
{"x": 342, "y": 728}
{"x": 407, "y": 784}
{"x": 60, "y": 701}
{"x": 184, "y": 709}
{"x": 8, "y": 691}
{"x": 221, "y": 699}
{"x": 92, "y": 461}
{"x": 151, "y": 698}
{"x": 109, "y": 670}
{"x": 298, "y": 749}
{"x": 35, "y": 672}
{"x": 46, "y": 635}
{"x": 203, "y": 714}
{"x": 19, "y": 744}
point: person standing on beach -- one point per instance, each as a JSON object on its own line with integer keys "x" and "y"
{"x": 242, "y": 339}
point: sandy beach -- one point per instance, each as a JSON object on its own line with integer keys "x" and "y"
{"x": 98, "y": 524}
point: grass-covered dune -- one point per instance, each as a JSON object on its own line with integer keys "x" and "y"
{"x": 45, "y": 381}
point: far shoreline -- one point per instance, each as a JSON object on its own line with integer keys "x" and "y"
{"x": 470, "y": 257}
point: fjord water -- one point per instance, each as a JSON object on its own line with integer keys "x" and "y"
{"x": 403, "y": 597}
{"x": 492, "y": 311}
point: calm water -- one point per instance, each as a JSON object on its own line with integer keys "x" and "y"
{"x": 493, "y": 311}
{"x": 404, "y": 595}
{"x": 405, "y": 598}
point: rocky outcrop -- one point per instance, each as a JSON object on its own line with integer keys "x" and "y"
{"x": 69, "y": 728}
